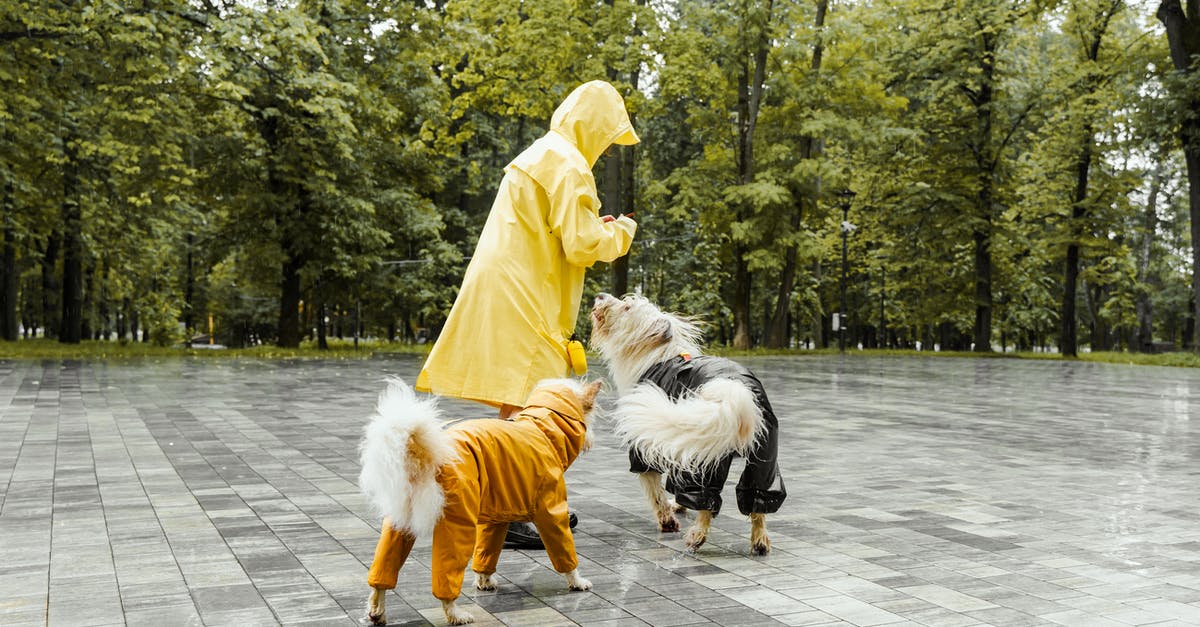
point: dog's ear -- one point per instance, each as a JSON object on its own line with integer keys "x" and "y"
{"x": 661, "y": 332}
{"x": 589, "y": 395}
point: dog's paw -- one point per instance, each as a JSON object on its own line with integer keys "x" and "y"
{"x": 483, "y": 581}
{"x": 694, "y": 539}
{"x": 376, "y": 615}
{"x": 575, "y": 583}
{"x": 668, "y": 525}
{"x": 762, "y": 547}
{"x": 455, "y": 616}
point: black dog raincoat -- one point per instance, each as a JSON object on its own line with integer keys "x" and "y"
{"x": 760, "y": 489}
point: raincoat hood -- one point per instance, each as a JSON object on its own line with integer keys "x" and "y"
{"x": 560, "y": 417}
{"x": 593, "y": 118}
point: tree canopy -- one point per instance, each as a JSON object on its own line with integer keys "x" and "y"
{"x": 1000, "y": 174}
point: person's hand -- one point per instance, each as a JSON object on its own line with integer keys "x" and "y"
{"x": 607, "y": 218}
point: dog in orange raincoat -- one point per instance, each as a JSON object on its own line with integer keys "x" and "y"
{"x": 466, "y": 483}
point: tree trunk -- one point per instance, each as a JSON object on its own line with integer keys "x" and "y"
{"x": 123, "y": 320}
{"x": 986, "y": 164}
{"x": 614, "y": 201}
{"x": 1183, "y": 38}
{"x": 189, "y": 289}
{"x": 983, "y": 292}
{"x": 1100, "y": 332}
{"x": 620, "y": 266}
{"x": 71, "y": 329}
{"x": 741, "y": 301}
{"x": 1070, "y": 324}
{"x": 289, "y": 302}
{"x": 132, "y": 313}
{"x": 750, "y": 90}
{"x": 50, "y": 286}
{"x": 8, "y": 269}
{"x": 322, "y": 333}
{"x": 1144, "y": 335}
{"x": 619, "y": 179}
{"x": 778, "y": 328}
{"x": 1069, "y": 342}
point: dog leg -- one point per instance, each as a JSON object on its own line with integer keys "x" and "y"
{"x": 663, "y": 506}
{"x": 698, "y": 533}
{"x": 455, "y": 616}
{"x": 575, "y": 582}
{"x": 760, "y": 544}
{"x": 376, "y": 614}
{"x": 483, "y": 581}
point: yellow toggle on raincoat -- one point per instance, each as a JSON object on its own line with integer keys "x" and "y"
{"x": 510, "y": 324}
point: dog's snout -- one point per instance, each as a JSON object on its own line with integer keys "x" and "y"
{"x": 603, "y": 297}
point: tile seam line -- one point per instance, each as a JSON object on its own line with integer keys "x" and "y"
{"x": 133, "y": 462}
{"x": 24, "y": 438}
{"x": 316, "y": 580}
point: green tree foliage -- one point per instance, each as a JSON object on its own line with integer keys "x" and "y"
{"x": 322, "y": 167}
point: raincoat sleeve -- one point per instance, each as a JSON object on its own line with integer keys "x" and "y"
{"x": 552, "y": 520}
{"x": 574, "y": 218}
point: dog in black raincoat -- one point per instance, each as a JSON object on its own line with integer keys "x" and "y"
{"x": 685, "y": 416}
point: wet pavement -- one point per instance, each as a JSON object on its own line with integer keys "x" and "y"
{"x": 921, "y": 491}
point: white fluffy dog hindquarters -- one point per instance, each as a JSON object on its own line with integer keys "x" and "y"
{"x": 685, "y": 415}
{"x": 464, "y": 484}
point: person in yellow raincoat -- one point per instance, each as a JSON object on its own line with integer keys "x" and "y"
{"x": 510, "y": 325}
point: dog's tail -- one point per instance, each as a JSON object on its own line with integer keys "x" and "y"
{"x": 693, "y": 433}
{"x": 401, "y": 451}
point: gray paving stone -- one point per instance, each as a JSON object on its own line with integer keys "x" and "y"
{"x": 922, "y": 491}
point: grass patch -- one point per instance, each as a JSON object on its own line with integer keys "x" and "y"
{"x": 99, "y": 350}
{"x": 1179, "y": 359}
{"x": 345, "y": 349}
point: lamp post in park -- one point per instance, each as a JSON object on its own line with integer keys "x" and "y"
{"x": 845, "y": 197}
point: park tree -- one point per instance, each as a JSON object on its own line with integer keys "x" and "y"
{"x": 303, "y": 199}
{"x": 809, "y": 148}
{"x": 828, "y": 114}
{"x": 716, "y": 68}
{"x": 97, "y": 102}
{"x": 963, "y": 64}
{"x": 1089, "y": 99}
{"x": 1183, "y": 38}
{"x": 1018, "y": 178}
{"x": 625, "y": 32}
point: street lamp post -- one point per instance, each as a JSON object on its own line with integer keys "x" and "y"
{"x": 845, "y": 197}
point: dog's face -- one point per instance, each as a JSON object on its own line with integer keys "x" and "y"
{"x": 630, "y": 320}
{"x": 585, "y": 393}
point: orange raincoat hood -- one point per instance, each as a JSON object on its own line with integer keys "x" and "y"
{"x": 560, "y": 417}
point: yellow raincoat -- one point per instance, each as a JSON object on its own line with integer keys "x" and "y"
{"x": 516, "y": 310}
{"x": 509, "y": 470}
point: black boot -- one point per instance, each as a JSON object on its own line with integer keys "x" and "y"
{"x": 523, "y": 535}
